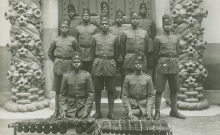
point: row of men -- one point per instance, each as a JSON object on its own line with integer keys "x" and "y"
{"x": 100, "y": 52}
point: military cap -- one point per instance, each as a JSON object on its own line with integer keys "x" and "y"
{"x": 143, "y": 5}
{"x": 71, "y": 7}
{"x": 104, "y": 4}
{"x": 104, "y": 18}
{"x": 134, "y": 14}
{"x": 139, "y": 58}
{"x": 166, "y": 19}
{"x": 86, "y": 10}
{"x": 66, "y": 21}
{"x": 119, "y": 13}
{"x": 76, "y": 56}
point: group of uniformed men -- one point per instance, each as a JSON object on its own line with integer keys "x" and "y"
{"x": 87, "y": 54}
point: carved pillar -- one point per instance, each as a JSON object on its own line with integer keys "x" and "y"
{"x": 187, "y": 18}
{"x": 50, "y": 23}
{"x": 25, "y": 74}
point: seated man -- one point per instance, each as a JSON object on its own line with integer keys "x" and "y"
{"x": 138, "y": 92}
{"x": 77, "y": 92}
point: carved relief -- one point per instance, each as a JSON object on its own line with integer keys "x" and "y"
{"x": 25, "y": 74}
{"x": 187, "y": 18}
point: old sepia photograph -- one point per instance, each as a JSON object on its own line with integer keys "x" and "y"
{"x": 110, "y": 67}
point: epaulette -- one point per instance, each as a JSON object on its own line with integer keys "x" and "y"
{"x": 85, "y": 71}
{"x": 130, "y": 74}
{"x": 147, "y": 75}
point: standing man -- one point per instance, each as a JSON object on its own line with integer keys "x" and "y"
{"x": 104, "y": 12}
{"x": 117, "y": 29}
{"x": 60, "y": 53}
{"x": 166, "y": 48}
{"x": 77, "y": 92}
{"x": 133, "y": 41}
{"x": 74, "y": 22}
{"x": 138, "y": 92}
{"x": 148, "y": 25}
{"x": 83, "y": 34}
{"x": 105, "y": 52}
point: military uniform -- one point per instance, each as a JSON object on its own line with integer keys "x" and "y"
{"x": 105, "y": 52}
{"x": 138, "y": 94}
{"x": 133, "y": 41}
{"x": 166, "y": 59}
{"x": 83, "y": 34}
{"x": 74, "y": 22}
{"x": 76, "y": 94}
{"x": 117, "y": 30}
{"x": 60, "y": 52}
{"x": 148, "y": 25}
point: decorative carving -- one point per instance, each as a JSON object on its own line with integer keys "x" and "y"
{"x": 187, "y": 18}
{"x": 25, "y": 75}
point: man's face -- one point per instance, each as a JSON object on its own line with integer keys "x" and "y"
{"x": 71, "y": 13}
{"x": 76, "y": 64}
{"x": 105, "y": 11}
{"x": 135, "y": 21}
{"x": 143, "y": 11}
{"x": 86, "y": 17}
{"x": 64, "y": 29}
{"x": 167, "y": 27}
{"x": 138, "y": 65}
{"x": 104, "y": 26}
{"x": 118, "y": 20}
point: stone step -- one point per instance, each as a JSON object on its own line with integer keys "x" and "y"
{"x": 104, "y": 101}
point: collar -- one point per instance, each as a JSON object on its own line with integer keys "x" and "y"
{"x": 135, "y": 72}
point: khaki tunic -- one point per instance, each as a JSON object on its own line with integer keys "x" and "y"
{"x": 83, "y": 35}
{"x": 132, "y": 42}
{"x": 166, "y": 53}
{"x": 105, "y": 52}
{"x": 116, "y": 30}
{"x": 60, "y": 53}
{"x": 138, "y": 94}
{"x": 77, "y": 93}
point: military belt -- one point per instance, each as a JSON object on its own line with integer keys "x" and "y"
{"x": 79, "y": 97}
{"x": 84, "y": 46}
{"x": 106, "y": 57}
{"x": 63, "y": 58}
{"x": 168, "y": 56}
{"x": 137, "y": 98}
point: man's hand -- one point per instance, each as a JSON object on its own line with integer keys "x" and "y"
{"x": 149, "y": 116}
{"x": 85, "y": 114}
{"x": 63, "y": 113}
{"x": 130, "y": 114}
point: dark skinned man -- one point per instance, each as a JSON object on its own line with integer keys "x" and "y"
{"x": 138, "y": 92}
{"x": 133, "y": 41}
{"x": 83, "y": 34}
{"x": 148, "y": 25}
{"x": 77, "y": 92}
{"x": 105, "y": 52}
{"x": 74, "y": 22}
{"x": 166, "y": 48}
{"x": 117, "y": 29}
{"x": 60, "y": 53}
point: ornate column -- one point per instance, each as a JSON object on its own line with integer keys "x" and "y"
{"x": 187, "y": 18}
{"x": 25, "y": 74}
